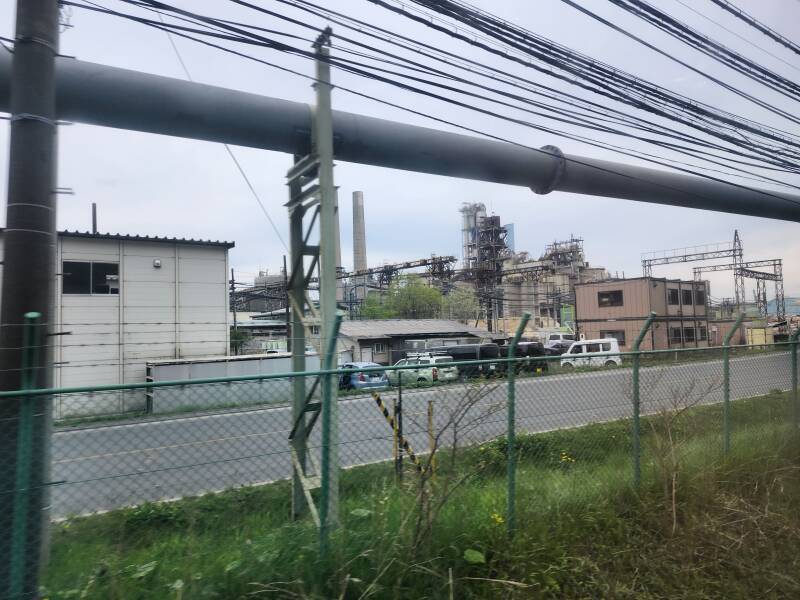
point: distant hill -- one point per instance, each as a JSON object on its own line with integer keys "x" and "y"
{"x": 792, "y": 305}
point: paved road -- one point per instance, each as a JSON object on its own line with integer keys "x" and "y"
{"x": 107, "y": 467}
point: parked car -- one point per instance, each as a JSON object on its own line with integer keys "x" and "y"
{"x": 592, "y": 353}
{"x": 465, "y": 352}
{"x": 559, "y": 339}
{"x": 533, "y": 350}
{"x": 430, "y": 367}
{"x": 558, "y": 348}
{"x": 359, "y": 380}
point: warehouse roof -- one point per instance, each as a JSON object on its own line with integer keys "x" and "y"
{"x": 142, "y": 238}
{"x": 380, "y": 328}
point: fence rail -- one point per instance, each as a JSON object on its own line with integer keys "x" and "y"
{"x": 546, "y": 422}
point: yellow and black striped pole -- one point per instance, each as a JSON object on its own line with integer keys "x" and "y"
{"x": 392, "y": 423}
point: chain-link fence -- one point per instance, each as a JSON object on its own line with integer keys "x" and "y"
{"x": 510, "y": 438}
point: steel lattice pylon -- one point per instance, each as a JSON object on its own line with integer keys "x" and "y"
{"x": 312, "y": 198}
{"x": 746, "y": 270}
{"x": 708, "y": 252}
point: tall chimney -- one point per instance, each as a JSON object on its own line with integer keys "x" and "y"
{"x": 359, "y": 233}
{"x": 94, "y": 217}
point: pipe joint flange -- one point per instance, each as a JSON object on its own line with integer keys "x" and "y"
{"x": 556, "y": 172}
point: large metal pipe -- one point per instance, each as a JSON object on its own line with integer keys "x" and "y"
{"x": 112, "y": 97}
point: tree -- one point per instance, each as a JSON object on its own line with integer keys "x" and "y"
{"x": 412, "y": 299}
{"x": 408, "y": 297}
{"x": 376, "y": 307}
{"x": 460, "y": 304}
{"x": 239, "y": 337}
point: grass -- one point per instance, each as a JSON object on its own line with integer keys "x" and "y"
{"x": 731, "y": 530}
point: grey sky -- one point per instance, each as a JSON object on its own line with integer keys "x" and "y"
{"x": 156, "y": 185}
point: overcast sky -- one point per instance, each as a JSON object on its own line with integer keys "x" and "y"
{"x": 155, "y": 185}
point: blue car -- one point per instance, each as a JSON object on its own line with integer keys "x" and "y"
{"x": 359, "y": 381}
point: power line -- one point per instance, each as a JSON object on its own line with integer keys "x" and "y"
{"x": 700, "y": 72}
{"x": 753, "y": 22}
{"x": 294, "y": 21}
{"x": 227, "y": 147}
{"x": 741, "y": 37}
{"x": 608, "y": 74}
{"x": 709, "y": 47}
{"x": 349, "y": 68}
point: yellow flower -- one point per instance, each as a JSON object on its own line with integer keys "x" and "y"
{"x": 497, "y": 518}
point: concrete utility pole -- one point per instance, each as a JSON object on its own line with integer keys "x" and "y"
{"x": 28, "y": 283}
{"x": 328, "y": 256}
{"x": 232, "y": 291}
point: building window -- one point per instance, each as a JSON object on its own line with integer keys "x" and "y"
{"x": 617, "y": 335}
{"x": 700, "y": 297}
{"x": 675, "y": 335}
{"x": 379, "y": 348}
{"x": 688, "y": 334}
{"x": 612, "y": 298}
{"x": 89, "y": 278}
{"x": 702, "y": 334}
{"x": 673, "y": 297}
{"x": 687, "y": 297}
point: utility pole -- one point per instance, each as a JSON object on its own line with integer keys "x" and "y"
{"x": 286, "y": 303}
{"x": 323, "y": 142}
{"x": 233, "y": 309}
{"x": 28, "y": 286}
{"x": 312, "y": 200}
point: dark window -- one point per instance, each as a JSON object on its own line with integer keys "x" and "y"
{"x": 674, "y": 297}
{"x": 687, "y": 297}
{"x": 612, "y": 298}
{"x": 90, "y": 278}
{"x": 702, "y": 334}
{"x": 606, "y": 347}
{"x": 76, "y": 277}
{"x": 688, "y": 334}
{"x": 105, "y": 278}
{"x": 593, "y": 348}
{"x": 700, "y": 297}
{"x": 577, "y": 349}
{"x": 675, "y": 335}
{"x": 617, "y": 335}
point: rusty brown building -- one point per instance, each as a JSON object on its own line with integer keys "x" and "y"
{"x": 618, "y": 308}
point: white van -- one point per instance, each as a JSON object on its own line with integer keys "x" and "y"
{"x": 554, "y": 339}
{"x": 592, "y": 353}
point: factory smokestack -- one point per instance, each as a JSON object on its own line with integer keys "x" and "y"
{"x": 359, "y": 233}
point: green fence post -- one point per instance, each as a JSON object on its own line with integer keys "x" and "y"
{"x": 637, "y": 431}
{"x": 328, "y": 397}
{"x": 795, "y": 402}
{"x": 20, "y": 511}
{"x": 726, "y": 385}
{"x": 511, "y": 438}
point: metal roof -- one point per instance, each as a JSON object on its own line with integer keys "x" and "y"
{"x": 142, "y": 238}
{"x": 381, "y": 328}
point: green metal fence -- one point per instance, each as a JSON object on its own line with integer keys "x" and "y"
{"x": 550, "y": 433}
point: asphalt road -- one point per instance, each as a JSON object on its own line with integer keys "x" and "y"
{"x": 111, "y": 466}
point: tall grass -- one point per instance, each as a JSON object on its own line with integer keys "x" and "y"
{"x": 582, "y": 530}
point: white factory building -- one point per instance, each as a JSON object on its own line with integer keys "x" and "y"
{"x": 122, "y": 301}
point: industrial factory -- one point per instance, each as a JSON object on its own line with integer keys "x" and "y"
{"x": 505, "y": 282}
